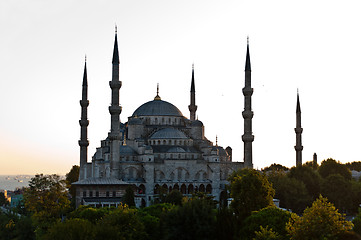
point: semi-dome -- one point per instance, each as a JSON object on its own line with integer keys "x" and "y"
{"x": 176, "y": 150}
{"x": 157, "y": 108}
{"x": 168, "y": 133}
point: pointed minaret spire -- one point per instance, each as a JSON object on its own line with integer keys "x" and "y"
{"x": 248, "y": 60}
{"x": 115, "y": 50}
{"x": 247, "y": 114}
{"x": 192, "y": 107}
{"x": 298, "y": 131}
{"x": 217, "y": 140}
{"x": 83, "y": 142}
{"x": 115, "y": 110}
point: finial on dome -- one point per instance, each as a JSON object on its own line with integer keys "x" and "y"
{"x": 216, "y": 140}
{"x": 157, "y": 97}
{"x": 124, "y": 139}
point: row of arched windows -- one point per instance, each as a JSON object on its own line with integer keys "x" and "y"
{"x": 184, "y": 189}
{"x": 172, "y": 142}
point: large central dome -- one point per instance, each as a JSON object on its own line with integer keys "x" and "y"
{"x": 157, "y": 108}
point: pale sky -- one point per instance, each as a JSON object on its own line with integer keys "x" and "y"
{"x": 311, "y": 45}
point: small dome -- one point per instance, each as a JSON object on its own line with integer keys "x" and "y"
{"x": 197, "y": 123}
{"x": 168, "y": 133}
{"x": 125, "y": 150}
{"x": 148, "y": 147}
{"x": 176, "y": 150}
{"x": 157, "y": 108}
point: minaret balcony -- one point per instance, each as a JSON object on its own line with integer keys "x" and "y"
{"x": 115, "y": 84}
{"x": 298, "y": 130}
{"x": 84, "y": 103}
{"x": 298, "y": 148}
{"x": 192, "y": 108}
{"x": 83, "y": 143}
{"x": 247, "y": 138}
{"x": 247, "y": 114}
{"x": 83, "y": 122}
{"x": 247, "y": 91}
{"x": 115, "y": 109}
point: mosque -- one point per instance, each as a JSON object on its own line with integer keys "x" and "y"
{"x": 157, "y": 149}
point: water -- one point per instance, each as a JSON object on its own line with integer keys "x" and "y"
{"x": 11, "y": 182}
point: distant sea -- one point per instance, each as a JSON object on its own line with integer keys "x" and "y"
{"x": 11, "y": 182}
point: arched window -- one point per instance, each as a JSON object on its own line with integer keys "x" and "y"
{"x": 183, "y": 189}
{"x": 190, "y": 189}
{"x": 201, "y": 188}
{"x": 209, "y": 189}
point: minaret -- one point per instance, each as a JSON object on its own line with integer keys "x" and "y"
{"x": 115, "y": 110}
{"x": 83, "y": 142}
{"x": 298, "y": 131}
{"x": 193, "y": 107}
{"x": 247, "y": 114}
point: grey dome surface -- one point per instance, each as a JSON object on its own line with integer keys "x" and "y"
{"x": 168, "y": 133}
{"x": 157, "y": 108}
{"x": 126, "y": 150}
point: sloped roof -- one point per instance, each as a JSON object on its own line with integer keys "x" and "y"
{"x": 100, "y": 181}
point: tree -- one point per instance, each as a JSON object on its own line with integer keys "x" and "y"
{"x": 291, "y": 192}
{"x": 330, "y": 166}
{"x": 70, "y": 177}
{"x": 128, "y": 197}
{"x": 354, "y": 166}
{"x": 89, "y": 213}
{"x": 250, "y": 191}
{"x": 338, "y": 190}
{"x": 309, "y": 177}
{"x": 320, "y": 221}
{"x": 121, "y": 223}
{"x": 174, "y": 197}
{"x": 72, "y": 229}
{"x": 3, "y": 200}
{"x": 194, "y": 219}
{"x": 275, "y": 167}
{"x": 47, "y": 199}
{"x": 357, "y": 223}
{"x": 266, "y": 234}
{"x": 272, "y": 217}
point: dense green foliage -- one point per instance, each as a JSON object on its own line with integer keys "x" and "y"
{"x": 70, "y": 177}
{"x": 46, "y": 212}
{"x": 250, "y": 191}
{"x": 291, "y": 192}
{"x": 320, "y": 221}
{"x": 128, "y": 197}
{"x": 331, "y": 166}
{"x": 269, "y": 217}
